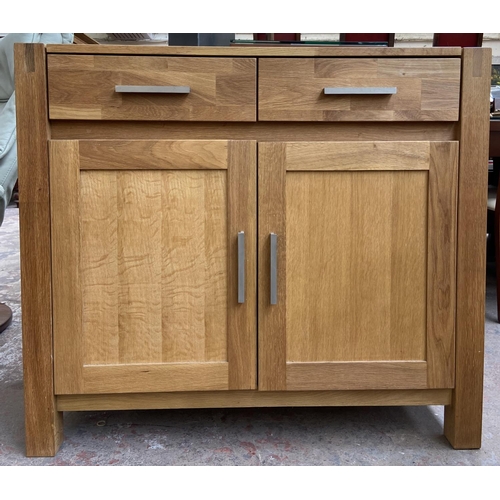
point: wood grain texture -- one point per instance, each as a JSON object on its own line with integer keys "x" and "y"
{"x": 149, "y": 268}
{"x": 194, "y": 267}
{"x": 249, "y": 399}
{"x": 43, "y": 422}
{"x": 151, "y": 154}
{"x": 83, "y": 87}
{"x": 242, "y": 216}
{"x": 370, "y": 262}
{"x": 271, "y": 318}
{"x": 154, "y": 248}
{"x": 66, "y": 277}
{"x": 99, "y": 266}
{"x": 148, "y": 377}
{"x": 356, "y": 375}
{"x": 260, "y": 131}
{"x": 356, "y": 265}
{"x": 441, "y": 281}
{"x": 389, "y": 155}
{"x": 463, "y": 418}
{"x": 249, "y": 51}
{"x": 292, "y": 89}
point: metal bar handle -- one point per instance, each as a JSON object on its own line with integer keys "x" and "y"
{"x": 274, "y": 269}
{"x": 241, "y": 267}
{"x": 361, "y": 90}
{"x": 151, "y": 89}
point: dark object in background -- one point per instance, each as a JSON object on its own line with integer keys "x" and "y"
{"x": 5, "y": 317}
{"x": 368, "y": 37}
{"x": 457, "y": 40}
{"x": 218, "y": 39}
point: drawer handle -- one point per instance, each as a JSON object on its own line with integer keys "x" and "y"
{"x": 361, "y": 90}
{"x": 151, "y": 89}
{"x": 274, "y": 269}
{"x": 241, "y": 267}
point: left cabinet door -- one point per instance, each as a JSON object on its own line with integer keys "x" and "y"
{"x": 153, "y": 265}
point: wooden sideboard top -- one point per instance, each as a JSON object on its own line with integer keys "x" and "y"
{"x": 256, "y": 51}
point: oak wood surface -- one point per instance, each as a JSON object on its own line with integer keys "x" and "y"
{"x": 66, "y": 276}
{"x": 348, "y": 156}
{"x": 292, "y": 89}
{"x": 83, "y": 87}
{"x": 356, "y": 375}
{"x": 441, "y": 266}
{"x": 249, "y": 51}
{"x": 356, "y": 260}
{"x": 146, "y": 258}
{"x": 271, "y": 322}
{"x": 43, "y": 422}
{"x": 463, "y": 418}
{"x": 243, "y": 399}
{"x": 363, "y": 249}
{"x": 260, "y": 131}
{"x": 150, "y": 377}
{"x": 151, "y": 154}
{"x": 242, "y": 216}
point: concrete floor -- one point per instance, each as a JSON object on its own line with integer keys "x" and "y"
{"x": 292, "y": 436}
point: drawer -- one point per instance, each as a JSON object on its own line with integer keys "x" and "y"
{"x": 84, "y": 87}
{"x": 338, "y": 89}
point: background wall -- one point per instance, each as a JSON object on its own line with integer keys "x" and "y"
{"x": 401, "y": 39}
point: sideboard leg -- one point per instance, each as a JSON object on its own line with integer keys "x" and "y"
{"x": 43, "y": 428}
{"x": 462, "y": 422}
{"x": 42, "y": 420}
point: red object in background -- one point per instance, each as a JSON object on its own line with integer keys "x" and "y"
{"x": 368, "y": 37}
{"x": 286, "y": 37}
{"x": 458, "y": 40}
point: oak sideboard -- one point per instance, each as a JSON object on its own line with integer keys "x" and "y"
{"x": 251, "y": 226}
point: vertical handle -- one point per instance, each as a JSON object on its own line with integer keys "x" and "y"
{"x": 274, "y": 269}
{"x": 241, "y": 267}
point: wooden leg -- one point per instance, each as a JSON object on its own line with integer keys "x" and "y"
{"x": 463, "y": 422}
{"x": 463, "y": 418}
{"x": 43, "y": 421}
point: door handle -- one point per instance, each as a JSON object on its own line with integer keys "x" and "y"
{"x": 241, "y": 267}
{"x": 360, "y": 90}
{"x": 151, "y": 89}
{"x": 274, "y": 268}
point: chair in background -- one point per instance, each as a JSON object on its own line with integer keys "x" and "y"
{"x": 368, "y": 37}
{"x": 457, "y": 40}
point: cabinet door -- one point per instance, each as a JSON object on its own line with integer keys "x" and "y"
{"x": 364, "y": 266}
{"x": 153, "y": 289}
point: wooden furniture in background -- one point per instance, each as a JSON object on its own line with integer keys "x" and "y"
{"x": 366, "y": 261}
{"x": 368, "y": 37}
{"x": 82, "y": 38}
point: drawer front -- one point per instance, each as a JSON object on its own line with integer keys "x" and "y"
{"x": 84, "y": 87}
{"x": 335, "y": 89}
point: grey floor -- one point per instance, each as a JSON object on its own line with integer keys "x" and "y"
{"x": 293, "y": 436}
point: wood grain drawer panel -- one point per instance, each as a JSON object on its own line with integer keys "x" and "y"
{"x": 293, "y": 89}
{"x": 82, "y": 87}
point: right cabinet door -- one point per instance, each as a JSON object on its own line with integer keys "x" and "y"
{"x": 357, "y": 244}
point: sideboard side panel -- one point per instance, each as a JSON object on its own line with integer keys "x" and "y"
{"x": 463, "y": 418}
{"x": 43, "y": 421}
